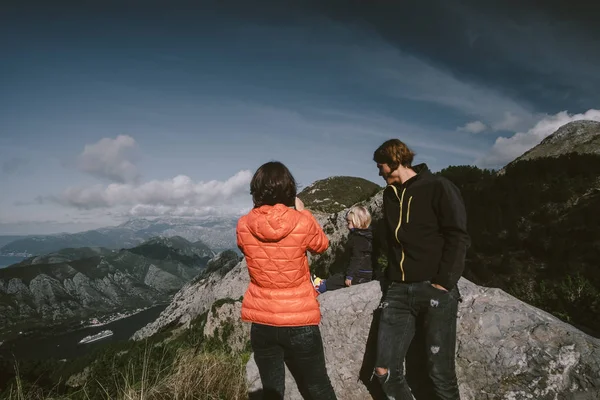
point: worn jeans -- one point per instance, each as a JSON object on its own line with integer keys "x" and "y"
{"x": 301, "y": 348}
{"x": 418, "y": 307}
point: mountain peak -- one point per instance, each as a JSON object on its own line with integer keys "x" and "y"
{"x": 575, "y": 130}
{"x": 581, "y": 136}
{"x": 174, "y": 248}
{"x": 337, "y": 193}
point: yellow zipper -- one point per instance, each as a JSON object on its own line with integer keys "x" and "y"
{"x": 408, "y": 211}
{"x": 401, "y": 200}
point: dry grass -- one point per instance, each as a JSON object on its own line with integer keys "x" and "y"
{"x": 21, "y": 391}
{"x": 207, "y": 376}
{"x": 212, "y": 375}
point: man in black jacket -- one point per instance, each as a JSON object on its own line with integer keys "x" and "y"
{"x": 426, "y": 232}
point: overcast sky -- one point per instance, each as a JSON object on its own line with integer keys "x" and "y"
{"x": 110, "y": 111}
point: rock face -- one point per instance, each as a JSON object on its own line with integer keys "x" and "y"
{"x": 575, "y": 137}
{"x": 224, "y": 324}
{"x": 506, "y": 349}
{"x": 228, "y": 279}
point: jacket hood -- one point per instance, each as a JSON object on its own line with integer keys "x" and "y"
{"x": 272, "y": 223}
{"x": 368, "y": 233}
{"x": 422, "y": 171}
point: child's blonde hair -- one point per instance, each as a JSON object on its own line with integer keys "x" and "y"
{"x": 360, "y": 217}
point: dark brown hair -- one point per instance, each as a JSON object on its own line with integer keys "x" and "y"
{"x": 273, "y": 184}
{"x": 394, "y": 153}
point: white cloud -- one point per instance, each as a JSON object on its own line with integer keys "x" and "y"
{"x": 179, "y": 193}
{"x": 110, "y": 159}
{"x": 506, "y": 149}
{"x": 143, "y": 210}
{"x": 473, "y": 127}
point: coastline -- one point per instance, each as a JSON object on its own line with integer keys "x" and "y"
{"x": 90, "y": 324}
{"x": 64, "y": 342}
{"x": 115, "y": 317}
{"x": 40, "y": 329}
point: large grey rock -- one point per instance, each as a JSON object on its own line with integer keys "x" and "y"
{"x": 16, "y": 286}
{"x": 506, "y": 349}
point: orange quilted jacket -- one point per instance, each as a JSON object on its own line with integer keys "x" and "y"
{"x": 274, "y": 240}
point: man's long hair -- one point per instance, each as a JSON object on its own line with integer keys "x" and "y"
{"x": 394, "y": 153}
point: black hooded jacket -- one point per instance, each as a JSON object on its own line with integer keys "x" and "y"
{"x": 360, "y": 248}
{"x": 426, "y": 225}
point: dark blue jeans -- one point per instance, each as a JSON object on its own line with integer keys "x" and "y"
{"x": 407, "y": 308}
{"x": 301, "y": 349}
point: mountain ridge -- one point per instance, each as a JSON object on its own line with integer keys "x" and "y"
{"x": 216, "y": 232}
{"x": 34, "y": 293}
{"x": 337, "y": 193}
{"x": 582, "y": 137}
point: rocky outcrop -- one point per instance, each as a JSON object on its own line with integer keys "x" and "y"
{"x": 228, "y": 279}
{"x": 506, "y": 349}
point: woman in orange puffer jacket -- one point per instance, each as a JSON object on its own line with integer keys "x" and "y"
{"x": 281, "y": 301}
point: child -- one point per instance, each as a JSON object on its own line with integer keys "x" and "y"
{"x": 359, "y": 248}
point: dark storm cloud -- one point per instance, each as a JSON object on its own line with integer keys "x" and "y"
{"x": 544, "y": 53}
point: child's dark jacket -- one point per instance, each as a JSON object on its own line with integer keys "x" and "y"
{"x": 360, "y": 248}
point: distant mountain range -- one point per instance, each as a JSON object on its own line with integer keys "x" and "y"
{"x": 76, "y": 283}
{"x": 218, "y": 233}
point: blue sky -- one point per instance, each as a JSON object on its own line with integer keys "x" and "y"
{"x": 134, "y": 109}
